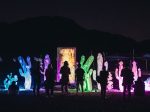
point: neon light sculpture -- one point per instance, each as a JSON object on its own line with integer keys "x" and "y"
{"x": 118, "y": 75}
{"x": 134, "y": 70}
{"x": 106, "y": 65}
{"x": 99, "y": 67}
{"x": 139, "y": 72}
{"x": 110, "y": 82}
{"x": 88, "y": 72}
{"x": 66, "y": 54}
{"x": 25, "y": 71}
{"x": 44, "y": 65}
{"x": 147, "y": 84}
{"x": 94, "y": 75}
{"x": 8, "y": 81}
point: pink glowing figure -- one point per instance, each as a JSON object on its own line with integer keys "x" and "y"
{"x": 99, "y": 66}
{"x": 106, "y": 65}
{"x": 134, "y": 70}
{"x": 110, "y": 83}
{"x": 118, "y": 75}
{"x": 139, "y": 72}
{"x": 147, "y": 84}
{"x": 46, "y": 61}
{"x": 99, "y": 63}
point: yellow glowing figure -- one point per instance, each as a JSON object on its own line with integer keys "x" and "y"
{"x": 67, "y": 54}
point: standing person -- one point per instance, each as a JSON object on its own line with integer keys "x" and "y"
{"x": 13, "y": 89}
{"x": 127, "y": 75}
{"x": 139, "y": 87}
{"x": 49, "y": 82}
{"x": 36, "y": 77}
{"x": 65, "y": 71}
{"x": 103, "y": 81}
{"x": 79, "y": 77}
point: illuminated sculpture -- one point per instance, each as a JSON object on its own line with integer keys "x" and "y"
{"x": 139, "y": 72}
{"x": 8, "y": 81}
{"x": 99, "y": 67}
{"x": 94, "y": 75}
{"x": 106, "y": 65}
{"x": 147, "y": 84}
{"x": 134, "y": 70}
{"x": 118, "y": 75}
{"x": 44, "y": 65}
{"x": 25, "y": 71}
{"x": 110, "y": 82}
{"x": 88, "y": 72}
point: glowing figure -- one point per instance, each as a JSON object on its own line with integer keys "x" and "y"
{"x": 99, "y": 63}
{"x": 99, "y": 67}
{"x": 25, "y": 71}
{"x": 139, "y": 72}
{"x": 118, "y": 75}
{"x": 88, "y": 72}
{"x": 147, "y": 84}
{"x": 106, "y": 65}
{"x": 94, "y": 75}
{"x": 44, "y": 65}
{"x": 110, "y": 83}
{"x": 134, "y": 70}
{"x": 8, "y": 81}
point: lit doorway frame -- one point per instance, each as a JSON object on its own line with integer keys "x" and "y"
{"x": 66, "y": 54}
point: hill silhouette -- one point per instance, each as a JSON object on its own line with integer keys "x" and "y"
{"x": 40, "y": 35}
{"x": 44, "y": 34}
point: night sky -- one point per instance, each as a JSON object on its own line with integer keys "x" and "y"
{"x": 131, "y": 19}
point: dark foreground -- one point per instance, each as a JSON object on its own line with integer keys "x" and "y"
{"x": 87, "y": 102}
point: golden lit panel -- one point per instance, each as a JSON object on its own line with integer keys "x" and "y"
{"x": 67, "y": 54}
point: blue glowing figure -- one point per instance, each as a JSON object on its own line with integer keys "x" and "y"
{"x": 25, "y": 71}
{"x": 8, "y": 81}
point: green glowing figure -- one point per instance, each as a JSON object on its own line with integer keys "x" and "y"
{"x": 88, "y": 72}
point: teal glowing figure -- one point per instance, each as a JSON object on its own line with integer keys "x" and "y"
{"x": 88, "y": 72}
{"x": 8, "y": 81}
{"x": 25, "y": 71}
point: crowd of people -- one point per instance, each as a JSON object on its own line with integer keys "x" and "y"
{"x": 50, "y": 73}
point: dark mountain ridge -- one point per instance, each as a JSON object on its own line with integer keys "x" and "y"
{"x": 44, "y": 34}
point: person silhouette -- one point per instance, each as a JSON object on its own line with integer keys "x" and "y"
{"x": 36, "y": 77}
{"x": 103, "y": 81}
{"x": 65, "y": 71}
{"x": 139, "y": 87}
{"x": 50, "y": 79}
{"x": 13, "y": 89}
{"x": 127, "y": 75}
{"x": 79, "y": 75}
